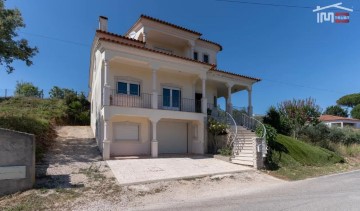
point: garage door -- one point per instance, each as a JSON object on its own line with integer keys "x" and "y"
{"x": 172, "y": 137}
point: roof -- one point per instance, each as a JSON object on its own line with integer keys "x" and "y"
{"x": 235, "y": 74}
{"x": 328, "y": 118}
{"x": 169, "y": 24}
{"x": 151, "y": 50}
{"x": 178, "y": 27}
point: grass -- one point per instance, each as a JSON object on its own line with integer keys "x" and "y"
{"x": 35, "y": 116}
{"x": 294, "y": 159}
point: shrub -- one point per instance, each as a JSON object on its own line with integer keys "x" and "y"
{"x": 216, "y": 128}
{"x": 226, "y": 151}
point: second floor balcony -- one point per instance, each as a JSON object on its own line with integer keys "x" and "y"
{"x": 170, "y": 100}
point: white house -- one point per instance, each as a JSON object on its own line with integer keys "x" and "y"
{"x": 338, "y": 121}
{"x": 150, "y": 88}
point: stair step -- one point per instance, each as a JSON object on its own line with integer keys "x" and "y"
{"x": 244, "y": 156}
{"x": 243, "y": 148}
{"x": 242, "y": 162}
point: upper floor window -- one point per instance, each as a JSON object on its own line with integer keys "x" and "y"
{"x": 206, "y": 58}
{"x": 171, "y": 98}
{"x": 128, "y": 88}
{"x": 195, "y": 55}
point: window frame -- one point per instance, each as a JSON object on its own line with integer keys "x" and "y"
{"x": 197, "y": 55}
{"x": 171, "y": 107}
{"x": 128, "y": 84}
{"x": 208, "y": 58}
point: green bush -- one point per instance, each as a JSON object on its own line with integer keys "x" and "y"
{"x": 226, "y": 151}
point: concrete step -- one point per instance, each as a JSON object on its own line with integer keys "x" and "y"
{"x": 243, "y": 147}
{"x": 243, "y": 162}
{"x": 244, "y": 156}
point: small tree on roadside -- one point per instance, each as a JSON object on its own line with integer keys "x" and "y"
{"x": 27, "y": 89}
{"x": 299, "y": 113}
{"x": 336, "y": 111}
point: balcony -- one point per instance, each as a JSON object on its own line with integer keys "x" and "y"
{"x": 144, "y": 100}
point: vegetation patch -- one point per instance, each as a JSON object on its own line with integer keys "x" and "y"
{"x": 293, "y": 159}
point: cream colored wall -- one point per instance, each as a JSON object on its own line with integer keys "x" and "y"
{"x": 202, "y": 50}
{"x": 96, "y": 101}
{"x": 124, "y": 148}
{"x": 144, "y": 75}
{"x": 176, "y": 50}
{"x": 211, "y": 91}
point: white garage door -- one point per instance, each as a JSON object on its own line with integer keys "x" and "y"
{"x": 172, "y": 137}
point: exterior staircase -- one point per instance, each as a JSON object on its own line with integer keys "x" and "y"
{"x": 243, "y": 147}
{"x": 248, "y": 148}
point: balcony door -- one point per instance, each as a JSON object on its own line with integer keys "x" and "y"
{"x": 171, "y": 98}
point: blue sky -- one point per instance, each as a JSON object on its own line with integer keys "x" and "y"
{"x": 295, "y": 56}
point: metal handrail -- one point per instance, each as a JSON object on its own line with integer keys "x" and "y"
{"x": 227, "y": 119}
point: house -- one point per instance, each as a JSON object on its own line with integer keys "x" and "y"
{"x": 338, "y": 121}
{"x": 151, "y": 88}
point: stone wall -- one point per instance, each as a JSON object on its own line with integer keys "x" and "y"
{"x": 17, "y": 161}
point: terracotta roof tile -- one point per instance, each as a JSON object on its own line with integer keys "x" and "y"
{"x": 211, "y": 43}
{"x": 170, "y": 24}
{"x": 120, "y": 36}
{"x": 235, "y": 74}
{"x": 155, "y": 51}
{"x": 334, "y": 118}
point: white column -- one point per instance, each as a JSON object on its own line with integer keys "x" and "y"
{"x": 154, "y": 142}
{"x": 106, "y": 89}
{"x": 154, "y": 97}
{"x": 107, "y": 140}
{"x": 342, "y": 124}
{"x": 203, "y": 99}
{"x": 228, "y": 102}
{"x": 250, "y": 108}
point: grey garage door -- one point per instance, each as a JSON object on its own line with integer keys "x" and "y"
{"x": 172, "y": 137}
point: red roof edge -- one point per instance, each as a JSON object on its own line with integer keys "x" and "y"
{"x": 212, "y": 43}
{"x": 120, "y": 36}
{"x": 169, "y": 24}
{"x": 235, "y": 74}
{"x": 155, "y": 51}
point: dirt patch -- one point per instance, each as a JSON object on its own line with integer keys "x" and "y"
{"x": 73, "y": 176}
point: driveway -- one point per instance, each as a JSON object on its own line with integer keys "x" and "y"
{"x": 145, "y": 170}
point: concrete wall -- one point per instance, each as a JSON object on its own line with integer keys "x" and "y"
{"x": 17, "y": 161}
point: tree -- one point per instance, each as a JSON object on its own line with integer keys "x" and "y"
{"x": 336, "y": 111}
{"x": 355, "y": 112}
{"x": 299, "y": 113}
{"x": 12, "y": 48}
{"x": 27, "y": 89}
{"x": 275, "y": 120}
{"x": 56, "y": 93}
{"x": 350, "y": 100}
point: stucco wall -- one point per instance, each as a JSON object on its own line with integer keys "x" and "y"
{"x": 17, "y": 161}
{"x": 122, "y": 147}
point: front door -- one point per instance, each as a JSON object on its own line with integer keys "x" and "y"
{"x": 198, "y": 97}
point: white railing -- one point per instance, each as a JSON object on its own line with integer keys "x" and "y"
{"x": 243, "y": 119}
{"x": 225, "y": 118}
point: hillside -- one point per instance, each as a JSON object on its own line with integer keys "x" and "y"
{"x": 294, "y": 159}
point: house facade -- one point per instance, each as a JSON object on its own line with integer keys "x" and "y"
{"x": 340, "y": 122}
{"x": 152, "y": 88}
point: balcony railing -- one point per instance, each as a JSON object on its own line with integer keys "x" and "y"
{"x": 181, "y": 104}
{"x": 143, "y": 100}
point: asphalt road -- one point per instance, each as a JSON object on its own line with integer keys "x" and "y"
{"x": 335, "y": 192}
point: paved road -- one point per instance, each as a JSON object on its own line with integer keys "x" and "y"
{"x": 336, "y": 192}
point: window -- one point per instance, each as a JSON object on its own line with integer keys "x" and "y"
{"x": 171, "y": 98}
{"x": 206, "y": 58}
{"x": 126, "y": 131}
{"x": 128, "y": 88}
{"x": 195, "y": 55}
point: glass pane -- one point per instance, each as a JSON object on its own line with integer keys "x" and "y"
{"x": 134, "y": 89}
{"x": 176, "y": 98}
{"x": 122, "y": 88}
{"x": 206, "y": 58}
{"x": 166, "y": 97}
